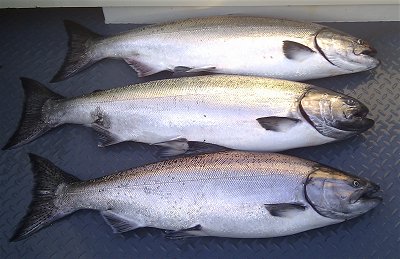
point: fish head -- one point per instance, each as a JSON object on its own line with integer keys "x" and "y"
{"x": 345, "y": 51}
{"x": 339, "y": 195}
{"x": 333, "y": 114}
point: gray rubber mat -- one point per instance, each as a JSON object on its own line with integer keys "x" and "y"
{"x": 33, "y": 44}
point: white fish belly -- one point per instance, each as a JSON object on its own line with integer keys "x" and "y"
{"x": 254, "y": 221}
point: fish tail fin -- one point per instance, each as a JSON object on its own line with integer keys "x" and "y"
{"x": 32, "y": 124}
{"x": 42, "y": 211}
{"x": 78, "y": 56}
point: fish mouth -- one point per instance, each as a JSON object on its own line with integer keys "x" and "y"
{"x": 370, "y": 51}
{"x": 361, "y": 113}
{"x": 368, "y": 57}
{"x": 369, "y": 194}
{"x": 357, "y": 120}
{"x": 356, "y": 124}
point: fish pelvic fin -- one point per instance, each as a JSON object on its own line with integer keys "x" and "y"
{"x": 79, "y": 55}
{"x": 42, "y": 211}
{"x": 32, "y": 123}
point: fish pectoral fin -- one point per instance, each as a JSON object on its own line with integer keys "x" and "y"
{"x": 173, "y": 147}
{"x": 106, "y": 138}
{"x": 280, "y": 124}
{"x": 183, "y": 69}
{"x": 118, "y": 223}
{"x": 141, "y": 68}
{"x": 296, "y": 51}
{"x": 284, "y": 209}
{"x": 183, "y": 233}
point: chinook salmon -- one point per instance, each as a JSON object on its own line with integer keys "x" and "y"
{"x": 237, "y": 112}
{"x": 227, "y": 194}
{"x": 255, "y": 46}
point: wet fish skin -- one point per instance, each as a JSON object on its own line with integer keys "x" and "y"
{"x": 227, "y": 194}
{"x": 255, "y": 46}
{"x": 237, "y": 112}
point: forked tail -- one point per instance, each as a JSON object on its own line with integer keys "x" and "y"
{"x": 80, "y": 55}
{"x": 32, "y": 123}
{"x": 42, "y": 210}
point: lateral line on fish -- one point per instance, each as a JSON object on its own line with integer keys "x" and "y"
{"x": 171, "y": 182}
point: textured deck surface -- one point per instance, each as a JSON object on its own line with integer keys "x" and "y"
{"x": 33, "y": 44}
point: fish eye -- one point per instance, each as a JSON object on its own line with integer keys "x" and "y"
{"x": 360, "y": 41}
{"x": 356, "y": 184}
{"x": 350, "y": 102}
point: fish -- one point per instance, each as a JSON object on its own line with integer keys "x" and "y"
{"x": 256, "y": 46}
{"x": 180, "y": 114}
{"x": 228, "y": 194}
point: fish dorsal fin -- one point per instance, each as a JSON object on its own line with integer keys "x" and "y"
{"x": 173, "y": 147}
{"x": 118, "y": 223}
{"x": 183, "y": 233}
{"x": 296, "y": 51}
{"x": 284, "y": 209}
{"x": 279, "y": 124}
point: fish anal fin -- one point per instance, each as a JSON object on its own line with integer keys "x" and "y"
{"x": 102, "y": 124}
{"x": 284, "y": 209}
{"x": 183, "y": 233}
{"x": 196, "y": 147}
{"x": 141, "y": 68}
{"x": 279, "y": 124}
{"x": 296, "y": 51}
{"x": 183, "y": 69}
{"x": 118, "y": 223}
{"x": 173, "y": 147}
{"x": 106, "y": 138}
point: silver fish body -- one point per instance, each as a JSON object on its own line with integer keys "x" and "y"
{"x": 237, "y": 112}
{"x": 256, "y": 46}
{"x": 228, "y": 194}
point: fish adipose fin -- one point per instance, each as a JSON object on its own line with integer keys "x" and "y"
{"x": 118, "y": 223}
{"x": 296, "y": 51}
{"x": 279, "y": 124}
{"x": 79, "y": 53}
{"x": 42, "y": 210}
{"x": 184, "y": 233}
{"x": 284, "y": 209}
{"x": 31, "y": 124}
{"x": 173, "y": 147}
